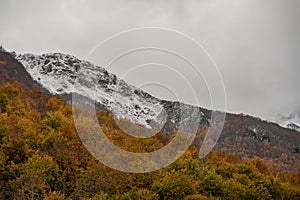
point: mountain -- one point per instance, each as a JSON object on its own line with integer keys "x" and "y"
{"x": 60, "y": 73}
{"x": 65, "y": 74}
{"x": 13, "y": 71}
{"x": 291, "y": 121}
{"x": 243, "y": 135}
{"x": 43, "y": 157}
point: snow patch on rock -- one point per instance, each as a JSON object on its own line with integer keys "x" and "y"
{"x": 62, "y": 73}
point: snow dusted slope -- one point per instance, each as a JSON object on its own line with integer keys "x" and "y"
{"x": 291, "y": 121}
{"x": 61, "y": 73}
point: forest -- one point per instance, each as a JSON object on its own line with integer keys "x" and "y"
{"x": 42, "y": 157}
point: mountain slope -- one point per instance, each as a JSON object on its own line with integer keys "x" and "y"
{"x": 65, "y": 74}
{"x": 42, "y": 157}
{"x": 13, "y": 71}
{"x": 245, "y": 136}
{"x": 291, "y": 121}
{"x": 61, "y": 73}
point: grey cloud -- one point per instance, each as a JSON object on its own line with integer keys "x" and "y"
{"x": 255, "y": 43}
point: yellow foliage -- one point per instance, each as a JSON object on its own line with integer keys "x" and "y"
{"x": 42, "y": 157}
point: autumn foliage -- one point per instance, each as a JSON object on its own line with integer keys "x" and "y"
{"x": 42, "y": 157}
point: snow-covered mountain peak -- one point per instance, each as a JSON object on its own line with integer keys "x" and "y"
{"x": 62, "y": 73}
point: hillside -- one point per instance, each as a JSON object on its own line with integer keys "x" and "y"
{"x": 245, "y": 136}
{"x": 13, "y": 71}
{"x": 41, "y": 155}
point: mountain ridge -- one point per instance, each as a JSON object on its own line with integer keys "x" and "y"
{"x": 107, "y": 79}
{"x": 244, "y": 135}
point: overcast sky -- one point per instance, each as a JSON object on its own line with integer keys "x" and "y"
{"x": 255, "y": 43}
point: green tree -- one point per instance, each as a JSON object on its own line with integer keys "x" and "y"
{"x": 212, "y": 184}
{"x": 174, "y": 185}
{"x": 140, "y": 194}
